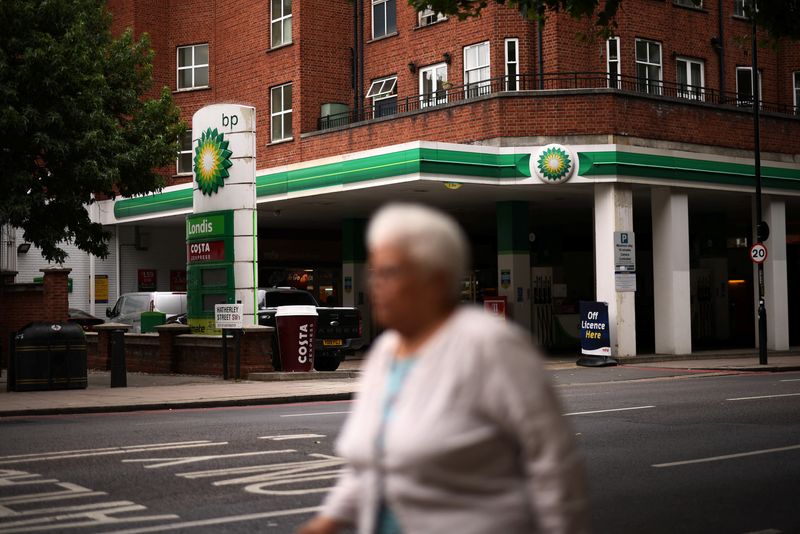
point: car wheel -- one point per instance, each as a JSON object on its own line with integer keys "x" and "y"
{"x": 327, "y": 363}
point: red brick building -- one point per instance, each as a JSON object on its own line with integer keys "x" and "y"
{"x": 364, "y": 101}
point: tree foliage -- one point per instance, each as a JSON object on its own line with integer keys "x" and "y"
{"x": 781, "y": 18}
{"x": 75, "y": 120}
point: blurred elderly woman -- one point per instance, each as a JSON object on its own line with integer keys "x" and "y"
{"x": 455, "y": 429}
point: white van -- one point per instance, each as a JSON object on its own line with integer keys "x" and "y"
{"x": 129, "y": 306}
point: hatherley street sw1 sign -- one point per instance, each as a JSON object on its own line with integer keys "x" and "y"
{"x": 228, "y": 316}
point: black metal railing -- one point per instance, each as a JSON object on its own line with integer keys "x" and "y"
{"x": 449, "y": 93}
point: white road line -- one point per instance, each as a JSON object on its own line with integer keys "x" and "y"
{"x": 77, "y": 508}
{"x": 728, "y": 456}
{"x": 610, "y": 410}
{"x": 292, "y": 436}
{"x": 765, "y": 397}
{"x": 50, "y": 453}
{"x": 219, "y": 520}
{"x": 791, "y": 380}
{"x": 169, "y": 462}
{"x": 311, "y": 414}
{"x": 116, "y": 450}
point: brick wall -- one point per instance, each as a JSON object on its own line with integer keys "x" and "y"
{"x": 318, "y": 63}
{"x": 26, "y": 303}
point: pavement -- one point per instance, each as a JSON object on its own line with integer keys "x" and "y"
{"x": 165, "y": 392}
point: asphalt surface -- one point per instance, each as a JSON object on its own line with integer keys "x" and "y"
{"x": 265, "y": 468}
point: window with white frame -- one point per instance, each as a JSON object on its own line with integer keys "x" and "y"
{"x": 281, "y": 22}
{"x": 184, "y": 163}
{"x": 433, "y": 85}
{"x": 688, "y": 3}
{"x": 428, "y": 16}
{"x": 476, "y": 70}
{"x": 383, "y": 93}
{"x": 512, "y": 64}
{"x": 193, "y": 66}
{"x": 612, "y": 62}
{"x": 739, "y": 8}
{"x": 281, "y": 112}
{"x": 690, "y": 78}
{"x": 744, "y": 86}
{"x": 384, "y": 18}
{"x": 648, "y": 66}
{"x": 796, "y": 80}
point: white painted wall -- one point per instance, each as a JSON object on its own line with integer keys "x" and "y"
{"x": 163, "y": 248}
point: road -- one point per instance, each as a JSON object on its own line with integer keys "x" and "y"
{"x": 695, "y": 453}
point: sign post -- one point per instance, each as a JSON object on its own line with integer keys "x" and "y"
{"x": 230, "y": 317}
{"x": 595, "y": 335}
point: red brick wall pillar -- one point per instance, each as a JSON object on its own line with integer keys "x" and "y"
{"x": 167, "y": 356}
{"x": 56, "y": 294}
{"x": 256, "y": 350}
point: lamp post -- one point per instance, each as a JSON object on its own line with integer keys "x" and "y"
{"x": 761, "y": 227}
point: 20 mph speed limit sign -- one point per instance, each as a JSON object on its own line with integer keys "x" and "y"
{"x": 758, "y": 253}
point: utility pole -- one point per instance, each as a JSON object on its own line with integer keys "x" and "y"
{"x": 761, "y": 228}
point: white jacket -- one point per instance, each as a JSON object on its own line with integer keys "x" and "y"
{"x": 476, "y": 443}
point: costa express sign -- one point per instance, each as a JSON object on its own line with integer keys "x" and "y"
{"x": 205, "y": 251}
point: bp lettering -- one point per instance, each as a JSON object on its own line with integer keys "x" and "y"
{"x": 231, "y": 121}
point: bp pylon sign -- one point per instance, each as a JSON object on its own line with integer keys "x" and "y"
{"x": 221, "y": 233}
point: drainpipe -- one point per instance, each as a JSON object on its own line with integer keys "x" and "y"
{"x": 354, "y": 55}
{"x": 360, "y": 56}
{"x": 540, "y": 40}
{"x": 720, "y": 46}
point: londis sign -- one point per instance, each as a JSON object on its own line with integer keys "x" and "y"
{"x": 207, "y": 226}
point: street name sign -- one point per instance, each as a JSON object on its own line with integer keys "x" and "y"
{"x": 228, "y": 316}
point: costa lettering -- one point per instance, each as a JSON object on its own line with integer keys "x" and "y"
{"x": 205, "y": 251}
{"x": 304, "y": 341}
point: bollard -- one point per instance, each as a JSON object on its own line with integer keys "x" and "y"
{"x": 116, "y": 348}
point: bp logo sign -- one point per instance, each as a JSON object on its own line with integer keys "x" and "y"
{"x": 212, "y": 159}
{"x": 553, "y": 164}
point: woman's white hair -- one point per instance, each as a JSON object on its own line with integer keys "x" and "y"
{"x": 433, "y": 240}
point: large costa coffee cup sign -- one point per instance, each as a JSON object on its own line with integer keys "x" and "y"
{"x": 297, "y": 326}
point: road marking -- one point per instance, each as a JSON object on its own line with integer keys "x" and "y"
{"x": 292, "y": 436}
{"x": 169, "y": 462}
{"x": 791, "y": 380}
{"x": 728, "y": 456}
{"x": 60, "y": 455}
{"x": 220, "y": 520}
{"x": 610, "y": 410}
{"x": 311, "y": 414}
{"x": 69, "y": 491}
{"x": 765, "y": 397}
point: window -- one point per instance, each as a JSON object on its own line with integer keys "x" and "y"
{"x": 383, "y": 93}
{"x": 192, "y": 66}
{"x": 184, "y": 164}
{"x": 281, "y": 27}
{"x": 384, "y": 18}
{"x": 428, "y": 16}
{"x": 744, "y": 86}
{"x": 796, "y": 86}
{"x": 690, "y": 78}
{"x": 433, "y": 85}
{"x": 739, "y": 8}
{"x": 688, "y": 3}
{"x": 612, "y": 62}
{"x": 281, "y": 112}
{"x": 476, "y": 70}
{"x": 648, "y": 66}
{"x": 512, "y": 64}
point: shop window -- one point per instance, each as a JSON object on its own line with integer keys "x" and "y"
{"x": 192, "y": 67}
{"x": 383, "y": 93}
{"x": 281, "y": 112}
{"x": 384, "y": 18}
{"x": 281, "y": 22}
{"x": 476, "y": 70}
{"x": 648, "y": 66}
{"x": 690, "y": 74}
{"x": 512, "y": 64}
{"x": 184, "y": 163}
{"x": 612, "y": 62}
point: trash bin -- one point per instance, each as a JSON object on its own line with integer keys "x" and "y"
{"x": 296, "y": 328}
{"x": 152, "y": 319}
{"x": 48, "y": 356}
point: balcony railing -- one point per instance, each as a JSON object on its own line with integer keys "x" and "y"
{"x": 548, "y": 82}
